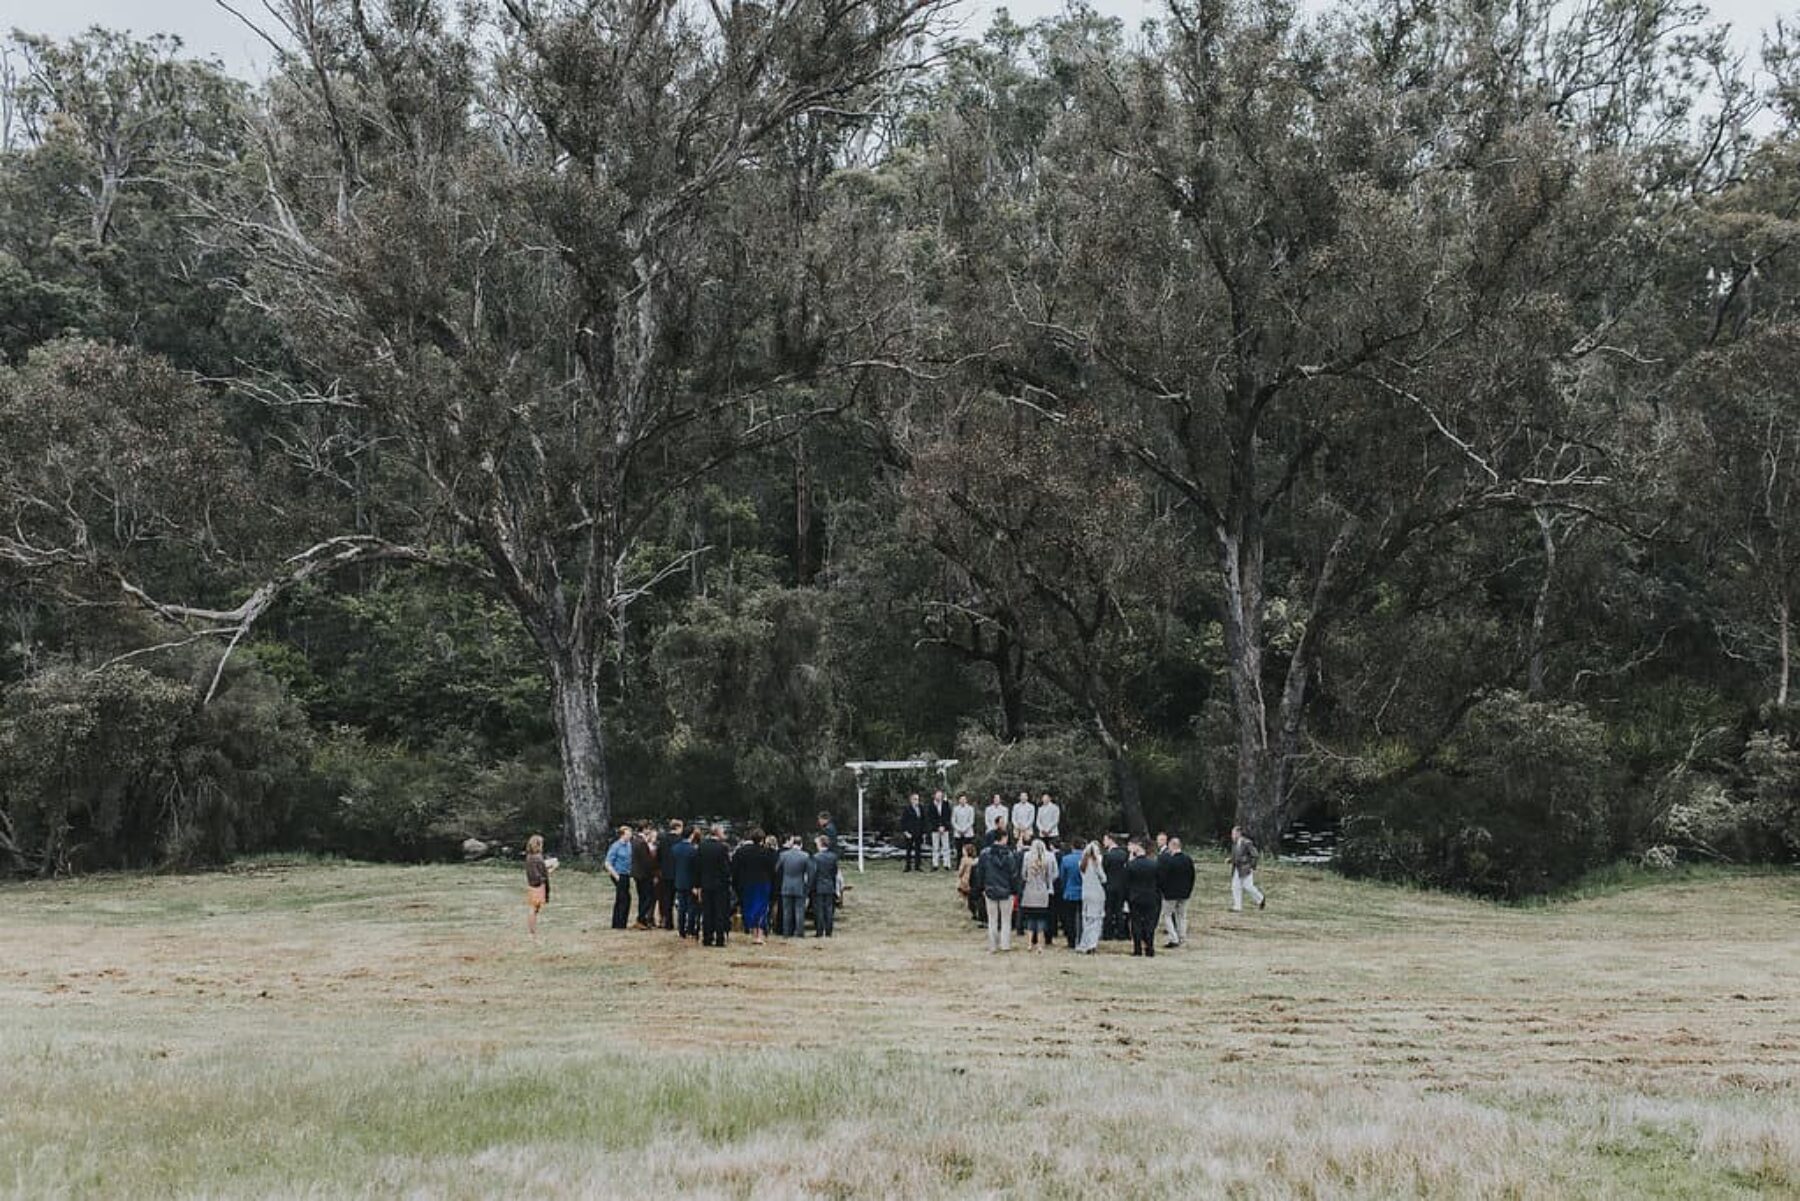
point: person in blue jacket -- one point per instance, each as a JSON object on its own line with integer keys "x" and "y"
{"x": 1068, "y": 906}
{"x": 618, "y": 866}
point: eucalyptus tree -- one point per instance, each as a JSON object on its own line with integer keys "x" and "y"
{"x": 111, "y": 140}
{"x": 518, "y": 256}
{"x": 1066, "y": 556}
{"x": 1738, "y": 413}
{"x": 1335, "y": 287}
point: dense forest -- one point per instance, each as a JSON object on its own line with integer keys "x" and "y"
{"x": 535, "y": 414}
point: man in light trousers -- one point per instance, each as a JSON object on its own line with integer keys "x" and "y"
{"x": 999, "y": 881}
{"x": 1243, "y": 872}
{"x": 939, "y": 821}
{"x": 1175, "y": 876}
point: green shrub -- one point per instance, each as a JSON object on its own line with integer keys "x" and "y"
{"x": 1519, "y": 803}
{"x": 379, "y": 800}
{"x": 1772, "y": 785}
{"x": 121, "y": 767}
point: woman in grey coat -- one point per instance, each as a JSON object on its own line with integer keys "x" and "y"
{"x": 1093, "y": 899}
{"x": 1039, "y": 874}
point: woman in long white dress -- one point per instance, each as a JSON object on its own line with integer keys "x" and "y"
{"x": 1093, "y": 899}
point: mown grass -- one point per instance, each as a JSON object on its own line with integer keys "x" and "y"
{"x": 339, "y": 1029}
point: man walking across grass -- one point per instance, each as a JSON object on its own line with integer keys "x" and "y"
{"x": 1243, "y": 872}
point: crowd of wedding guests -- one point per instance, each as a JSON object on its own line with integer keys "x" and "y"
{"x": 695, "y": 880}
{"x": 1020, "y": 874}
{"x": 1013, "y": 864}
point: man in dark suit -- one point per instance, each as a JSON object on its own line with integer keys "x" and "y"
{"x": 684, "y": 858}
{"x": 1144, "y": 896}
{"x": 824, "y": 886}
{"x": 643, "y": 877}
{"x": 912, "y": 827}
{"x": 1112, "y": 860}
{"x": 712, "y": 870}
{"x": 1175, "y": 876}
{"x": 828, "y": 828}
{"x": 673, "y": 837}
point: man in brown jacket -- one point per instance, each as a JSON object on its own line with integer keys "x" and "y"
{"x": 1243, "y": 872}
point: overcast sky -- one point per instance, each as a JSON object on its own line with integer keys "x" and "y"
{"x": 211, "y": 32}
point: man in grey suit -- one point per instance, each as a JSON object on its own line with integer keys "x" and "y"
{"x": 794, "y": 877}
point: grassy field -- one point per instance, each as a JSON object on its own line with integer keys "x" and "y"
{"x": 341, "y": 1029}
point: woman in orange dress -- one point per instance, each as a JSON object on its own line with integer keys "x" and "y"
{"x": 537, "y": 881}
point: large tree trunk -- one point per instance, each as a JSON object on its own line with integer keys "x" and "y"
{"x": 1268, "y": 738}
{"x": 1009, "y": 670}
{"x": 1131, "y": 801}
{"x": 1258, "y": 794}
{"x": 587, "y": 792}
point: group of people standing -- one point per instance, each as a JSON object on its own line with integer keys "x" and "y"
{"x": 948, "y": 830}
{"x": 1017, "y": 873}
{"x": 692, "y": 881}
{"x": 1024, "y": 879}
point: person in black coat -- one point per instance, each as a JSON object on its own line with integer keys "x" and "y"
{"x": 913, "y": 822}
{"x": 824, "y": 886}
{"x": 665, "y": 872}
{"x": 1112, "y": 861}
{"x": 712, "y": 872}
{"x": 1144, "y": 896}
{"x": 643, "y": 878}
{"x": 683, "y": 860}
{"x": 753, "y": 876}
{"x": 1175, "y": 876}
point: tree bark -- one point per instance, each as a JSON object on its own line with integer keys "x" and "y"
{"x": 1131, "y": 801}
{"x": 1540, "y": 609}
{"x": 1009, "y": 671}
{"x": 1784, "y": 638}
{"x": 587, "y": 790}
{"x": 1257, "y": 799}
{"x": 803, "y": 569}
{"x": 1265, "y": 755}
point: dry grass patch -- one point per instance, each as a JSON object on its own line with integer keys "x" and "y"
{"x": 344, "y": 1030}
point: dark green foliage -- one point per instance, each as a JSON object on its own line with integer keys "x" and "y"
{"x": 1519, "y": 804}
{"x": 119, "y": 767}
{"x": 1772, "y": 784}
{"x": 1270, "y": 414}
{"x": 384, "y": 801}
